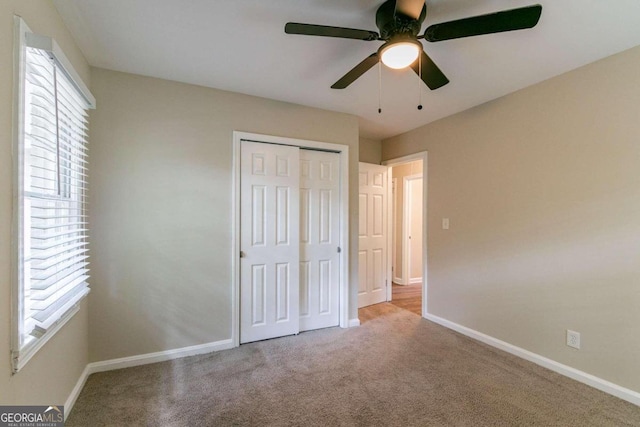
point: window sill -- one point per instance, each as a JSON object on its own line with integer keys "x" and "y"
{"x": 20, "y": 358}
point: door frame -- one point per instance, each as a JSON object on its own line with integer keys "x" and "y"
{"x": 394, "y": 237}
{"x": 422, "y": 155}
{"x": 343, "y": 151}
{"x": 406, "y": 221}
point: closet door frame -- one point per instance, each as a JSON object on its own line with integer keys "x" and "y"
{"x": 343, "y": 151}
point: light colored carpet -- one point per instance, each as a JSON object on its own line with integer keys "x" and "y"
{"x": 395, "y": 370}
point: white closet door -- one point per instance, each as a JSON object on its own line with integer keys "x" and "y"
{"x": 319, "y": 239}
{"x": 270, "y": 241}
{"x": 372, "y": 250}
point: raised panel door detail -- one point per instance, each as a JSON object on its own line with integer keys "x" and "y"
{"x": 258, "y": 164}
{"x": 363, "y": 206}
{"x": 378, "y": 215}
{"x": 363, "y": 268}
{"x": 363, "y": 179}
{"x": 377, "y": 264}
{"x": 305, "y": 215}
{"x": 283, "y": 216}
{"x": 282, "y": 166}
{"x": 305, "y": 279}
{"x": 325, "y": 286}
{"x": 283, "y": 287}
{"x": 259, "y": 215}
{"x": 378, "y": 179}
{"x": 325, "y": 216}
{"x": 325, "y": 171}
{"x": 258, "y": 294}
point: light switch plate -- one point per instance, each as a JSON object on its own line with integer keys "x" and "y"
{"x": 445, "y": 223}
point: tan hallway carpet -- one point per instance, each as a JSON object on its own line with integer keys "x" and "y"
{"x": 395, "y": 370}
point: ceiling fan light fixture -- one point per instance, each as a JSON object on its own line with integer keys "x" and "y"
{"x": 400, "y": 54}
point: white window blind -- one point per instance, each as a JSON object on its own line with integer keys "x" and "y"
{"x": 53, "y": 257}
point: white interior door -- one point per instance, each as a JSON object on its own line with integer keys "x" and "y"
{"x": 319, "y": 239}
{"x": 372, "y": 250}
{"x": 413, "y": 232}
{"x": 269, "y": 241}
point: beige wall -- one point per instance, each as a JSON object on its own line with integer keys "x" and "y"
{"x": 542, "y": 188}
{"x": 398, "y": 174}
{"x": 160, "y": 206}
{"x": 370, "y": 150}
{"x": 50, "y": 376}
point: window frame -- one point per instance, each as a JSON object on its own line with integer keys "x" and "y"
{"x": 23, "y": 38}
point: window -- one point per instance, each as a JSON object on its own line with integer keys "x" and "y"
{"x": 50, "y": 232}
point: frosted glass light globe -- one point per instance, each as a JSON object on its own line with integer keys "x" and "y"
{"x": 400, "y": 55}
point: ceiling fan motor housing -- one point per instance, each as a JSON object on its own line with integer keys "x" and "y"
{"x": 393, "y": 24}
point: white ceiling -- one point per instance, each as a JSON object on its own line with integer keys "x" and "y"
{"x": 241, "y": 46}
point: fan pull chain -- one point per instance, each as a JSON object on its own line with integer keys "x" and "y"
{"x": 419, "y": 82}
{"x": 379, "y": 87}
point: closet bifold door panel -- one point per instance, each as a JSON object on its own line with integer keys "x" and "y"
{"x": 269, "y": 241}
{"x": 319, "y": 239}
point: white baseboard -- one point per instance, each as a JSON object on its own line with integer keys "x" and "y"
{"x": 575, "y": 374}
{"x": 160, "y": 356}
{"x": 142, "y": 359}
{"x": 71, "y": 400}
{"x": 354, "y": 322}
{"x": 415, "y": 280}
{"x": 398, "y": 281}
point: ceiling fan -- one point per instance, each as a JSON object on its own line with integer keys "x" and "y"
{"x": 400, "y": 22}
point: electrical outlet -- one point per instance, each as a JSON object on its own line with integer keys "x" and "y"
{"x": 573, "y": 339}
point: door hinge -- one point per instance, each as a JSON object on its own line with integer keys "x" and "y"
{"x": 339, "y": 249}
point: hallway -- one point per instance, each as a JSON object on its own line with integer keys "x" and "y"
{"x": 407, "y": 297}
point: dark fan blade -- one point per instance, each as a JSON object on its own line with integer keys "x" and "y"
{"x": 326, "y": 31}
{"x": 507, "y": 20}
{"x": 356, "y": 71}
{"x": 410, "y": 8}
{"x": 431, "y": 74}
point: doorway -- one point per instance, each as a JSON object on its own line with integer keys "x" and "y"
{"x": 407, "y": 262}
{"x": 408, "y": 236}
{"x": 392, "y": 233}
